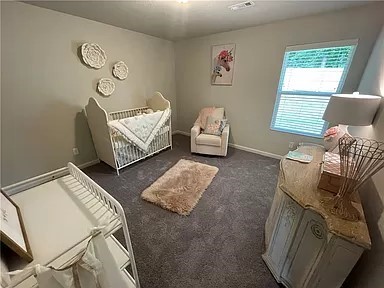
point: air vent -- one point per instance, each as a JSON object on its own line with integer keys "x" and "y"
{"x": 242, "y": 5}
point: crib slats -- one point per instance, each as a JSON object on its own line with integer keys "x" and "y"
{"x": 126, "y": 113}
{"x": 125, "y": 152}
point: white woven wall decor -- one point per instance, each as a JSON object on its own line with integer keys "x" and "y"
{"x": 120, "y": 70}
{"x": 93, "y": 55}
{"x": 106, "y": 86}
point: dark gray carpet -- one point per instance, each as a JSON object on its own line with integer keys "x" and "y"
{"x": 220, "y": 243}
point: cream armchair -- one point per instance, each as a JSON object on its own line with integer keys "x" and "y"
{"x": 209, "y": 144}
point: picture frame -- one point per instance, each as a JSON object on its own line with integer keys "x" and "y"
{"x": 12, "y": 228}
{"x": 222, "y": 64}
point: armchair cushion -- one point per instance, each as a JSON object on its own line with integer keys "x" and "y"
{"x": 209, "y": 140}
{"x": 217, "y": 113}
{"x": 215, "y": 126}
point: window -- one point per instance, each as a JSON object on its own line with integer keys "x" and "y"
{"x": 309, "y": 76}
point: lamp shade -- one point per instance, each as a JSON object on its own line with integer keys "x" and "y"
{"x": 352, "y": 109}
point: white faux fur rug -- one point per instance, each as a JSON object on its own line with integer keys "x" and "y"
{"x": 181, "y": 187}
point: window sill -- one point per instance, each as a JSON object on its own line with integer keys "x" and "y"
{"x": 297, "y": 133}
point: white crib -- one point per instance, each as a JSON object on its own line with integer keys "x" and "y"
{"x": 111, "y": 147}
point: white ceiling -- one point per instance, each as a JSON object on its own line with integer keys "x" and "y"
{"x": 174, "y": 21}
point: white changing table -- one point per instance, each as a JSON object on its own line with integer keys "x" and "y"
{"x": 58, "y": 217}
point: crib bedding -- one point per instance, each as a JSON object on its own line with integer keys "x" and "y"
{"x": 124, "y": 153}
{"x": 141, "y": 130}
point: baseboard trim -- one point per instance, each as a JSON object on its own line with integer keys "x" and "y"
{"x": 240, "y": 147}
{"x": 89, "y": 164}
{"x": 255, "y": 151}
{"x": 40, "y": 179}
{"x": 181, "y": 133}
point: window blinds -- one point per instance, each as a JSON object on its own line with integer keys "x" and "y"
{"x": 308, "y": 78}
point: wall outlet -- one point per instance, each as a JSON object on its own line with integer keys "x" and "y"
{"x": 291, "y": 145}
{"x": 75, "y": 151}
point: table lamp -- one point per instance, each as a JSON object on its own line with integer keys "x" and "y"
{"x": 348, "y": 109}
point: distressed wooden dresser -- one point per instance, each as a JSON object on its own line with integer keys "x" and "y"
{"x": 306, "y": 246}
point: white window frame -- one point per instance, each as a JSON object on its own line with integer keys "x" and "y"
{"x": 351, "y": 42}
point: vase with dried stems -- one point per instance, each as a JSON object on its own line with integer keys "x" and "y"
{"x": 360, "y": 159}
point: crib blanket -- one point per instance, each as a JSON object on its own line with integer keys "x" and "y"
{"x": 140, "y": 130}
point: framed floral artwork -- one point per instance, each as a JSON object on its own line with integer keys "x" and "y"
{"x": 13, "y": 233}
{"x": 223, "y": 62}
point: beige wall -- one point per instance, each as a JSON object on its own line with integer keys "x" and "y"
{"x": 259, "y": 53}
{"x": 45, "y": 87}
{"x": 370, "y": 270}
